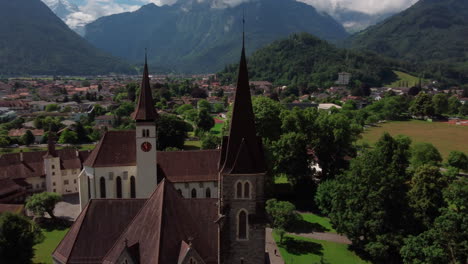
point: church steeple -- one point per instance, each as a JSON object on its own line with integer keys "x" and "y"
{"x": 144, "y": 111}
{"x": 51, "y": 152}
{"x": 242, "y": 151}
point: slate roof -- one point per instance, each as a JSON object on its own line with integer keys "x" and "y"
{"x": 96, "y": 229}
{"x": 118, "y": 148}
{"x": 158, "y": 228}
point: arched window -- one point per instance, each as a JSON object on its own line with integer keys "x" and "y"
{"x": 102, "y": 185}
{"x": 179, "y": 191}
{"x": 132, "y": 187}
{"x": 242, "y": 225}
{"x": 192, "y": 261}
{"x": 143, "y": 133}
{"x": 239, "y": 190}
{"x": 208, "y": 193}
{"x": 89, "y": 188}
{"x": 247, "y": 190}
{"x": 147, "y": 133}
{"x": 194, "y": 193}
{"x": 118, "y": 185}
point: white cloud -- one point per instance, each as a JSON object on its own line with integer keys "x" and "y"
{"x": 94, "y": 9}
{"x": 365, "y": 6}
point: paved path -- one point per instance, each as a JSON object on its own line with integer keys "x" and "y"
{"x": 271, "y": 247}
{"x": 68, "y": 208}
{"x": 325, "y": 236}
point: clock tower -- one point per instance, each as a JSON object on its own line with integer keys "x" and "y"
{"x": 145, "y": 117}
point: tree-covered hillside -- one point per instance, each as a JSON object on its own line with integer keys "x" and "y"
{"x": 307, "y": 61}
{"x": 201, "y": 36}
{"x": 432, "y": 34}
{"x": 33, "y": 40}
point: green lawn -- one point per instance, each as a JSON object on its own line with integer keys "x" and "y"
{"x": 402, "y": 79}
{"x": 298, "y": 250}
{"x": 192, "y": 145}
{"x": 216, "y": 130}
{"x": 324, "y": 222}
{"x": 443, "y": 136}
{"x": 281, "y": 179}
{"x": 43, "y": 251}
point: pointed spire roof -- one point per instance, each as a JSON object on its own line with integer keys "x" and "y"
{"x": 144, "y": 111}
{"x": 242, "y": 151}
{"x": 51, "y": 152}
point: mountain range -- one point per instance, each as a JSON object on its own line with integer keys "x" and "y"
{"x": 203, "y": 36}
{"x": 33, "y": 40}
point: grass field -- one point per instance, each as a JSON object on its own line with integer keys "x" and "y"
{"x": 404, "y": 80}
{"x": 298, "y": 250}
{"x": 443, "y": 136}
{"x": 216, "y": 130}
{"x": 281, "y": 179}
{"x": 318, "y": 220}
{"x": 192, "y": 145}
{"x": 43, "y": 251}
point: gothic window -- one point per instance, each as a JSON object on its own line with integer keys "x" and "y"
{"x": 239, "y": 190}
{"x": 179, "y": 191}
{"x": 102, "y": 185}
{"x": 143, "y": 133}
{"x": 194, "y": 193}
{"x": 242, "y": 225}
{"x": 118, "y": 185}
{"x": 89, "y": 188}
{"x": 208, "y": 193}
{"x": 147, "y": 133}
{"x": 192, "y": 261}
{"x": 132, "y": 187}
{"x": 247, "y": 190}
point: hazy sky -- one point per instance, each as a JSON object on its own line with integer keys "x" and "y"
{"x": 93, "y": 9}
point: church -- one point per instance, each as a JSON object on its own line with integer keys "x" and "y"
{"x": 140, "y": 205}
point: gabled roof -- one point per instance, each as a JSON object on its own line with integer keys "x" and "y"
{"x": 144, "y": 111}
{"x": 96, "y": 229}
{"x": 164, "y": 222}
{"x": 242, "y": 134}
{"x": 116, "y": 148}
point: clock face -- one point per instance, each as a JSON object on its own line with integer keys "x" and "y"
{"x": 146, "y": 146}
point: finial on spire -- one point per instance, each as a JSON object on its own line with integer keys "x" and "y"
{"x": 243, "y": 27}
{"x": 146, "y": 56}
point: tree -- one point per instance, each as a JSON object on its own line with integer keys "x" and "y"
{"x": 18, "y": 235}
{"x": 440, "y": 102}
{"x": 369, "y": 202}
{"x": 204, "y": 105}
{"x": 425, "y": 154}
{"x": 458, "y": 160}
{"x": 210, "y": 141}
{"x": 282, "y": 214}
{"x": 81, "y": 133}
{"x": 454, "y": 105}
{"x": 464, "y": 109}
{"x": 446, "y": 241}
{"x": 198, "y": 93}
{"x": 267, "y": 117}
{"x": 218, "y": 108}
{"x": 131, "y": 91}
{"x": 425, "y": 195}
{"x": 52, "y": 108}
{"x": 44, "y": 202}
{"x": 172, "y": 131}
{"x": 28, "y": 138}
{"x": 76, "y": 98}
{"x": 68, "y": 137}
{"x": 324, "y": 196}
{"x": 422, "y": 105}
{"x": 125, "y": 109}
{"x": 183, "y": 108}
{"x": 290, "y": 157}
{"x": 204, "y": 120}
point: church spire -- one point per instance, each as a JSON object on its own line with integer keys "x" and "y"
{"x": 51, "y": 152}
{"x": 144, "y": 111}
{"x": 242, "y": 150}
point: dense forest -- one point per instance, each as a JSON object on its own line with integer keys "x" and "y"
{"x": 306, "y": 61}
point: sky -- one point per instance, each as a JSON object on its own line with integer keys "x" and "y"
{"x": 93, "y": 9}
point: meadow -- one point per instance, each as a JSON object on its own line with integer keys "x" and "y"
{"x": 445, "y": 137}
